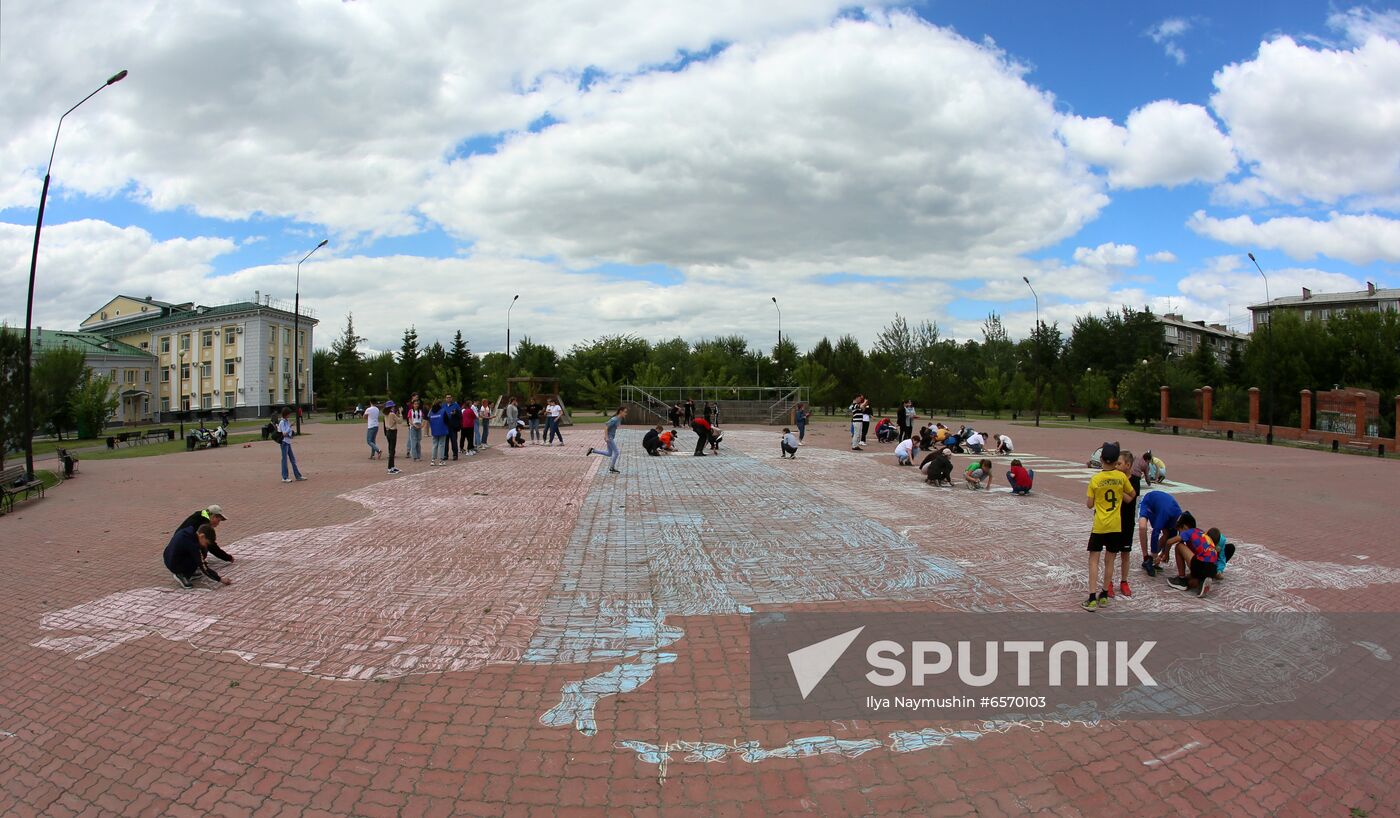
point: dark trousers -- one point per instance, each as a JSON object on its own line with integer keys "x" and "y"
{"x": 864, "y": 429}
{"x": 701, "y": 438}
{"x": 391, "y": 440}
{"x": 452, "y": 435}
{"x": 788, "y": 449}
{"x": 906, "y": 432}
{"x": 468, "y": 435}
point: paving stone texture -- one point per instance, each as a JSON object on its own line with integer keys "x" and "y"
{"x": 523, "y": 633}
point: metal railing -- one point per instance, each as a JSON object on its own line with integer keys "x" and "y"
{"x": 737, "y": 404}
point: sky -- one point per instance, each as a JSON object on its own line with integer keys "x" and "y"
{"x": 665, "y": 169}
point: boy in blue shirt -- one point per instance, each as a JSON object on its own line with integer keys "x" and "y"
{"x": 1157, "y": 511}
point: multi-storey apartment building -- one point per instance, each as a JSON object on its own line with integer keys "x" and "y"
{"x": 1311, "y": 306}
{"x": 234, "y": 358}
{"x": 1185, "y": 337}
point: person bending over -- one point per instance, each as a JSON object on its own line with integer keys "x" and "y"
{"x": 211, "y": 515}
{"x": 977, "y": 473}
{"x": 789, "y": 444}
{"x": 1020, "y": 478}
{"x": 652, "y": 441}
{"x": 938, "y": 467}
{"x": 185, "y": 555}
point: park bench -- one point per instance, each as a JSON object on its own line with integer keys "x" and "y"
{"x": 153, "y": 435}
{"x": 11, "y": 486}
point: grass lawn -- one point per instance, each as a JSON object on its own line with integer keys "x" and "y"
{"x": 153, "y": 449}
{"x": 46, "y": 446}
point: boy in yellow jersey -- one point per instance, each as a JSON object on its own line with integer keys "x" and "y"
{"x": 1107, "y": 491}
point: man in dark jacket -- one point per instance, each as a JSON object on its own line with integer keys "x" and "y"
{"x": 452, "y": 412}
{"x": 652, "y": 441}
{"x": 184, "y": 555}
{"x": 702, "y": 430}
{"x": 211, "y": 516}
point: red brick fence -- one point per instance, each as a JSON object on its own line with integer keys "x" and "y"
{"x": 1354, "y": 406}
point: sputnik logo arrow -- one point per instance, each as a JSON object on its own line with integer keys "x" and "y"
{"x": 810, "y": 664}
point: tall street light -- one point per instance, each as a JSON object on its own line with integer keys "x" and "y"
{"x": 1038, "y": 354}
{"x": 780, "y": 327}
{"x": 508, "y": 309}
{"x": 296, "y": 337}
{"x": 1270, "y": 314}
{"x": 33, "y": 267}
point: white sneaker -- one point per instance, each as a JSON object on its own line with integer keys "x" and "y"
{"x": 286, "y": 479}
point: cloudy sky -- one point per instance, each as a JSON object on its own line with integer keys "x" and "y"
{"x": 667, "y": 168}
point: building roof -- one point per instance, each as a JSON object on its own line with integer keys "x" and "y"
{"x": 1358, "y": 297}
{"x": 197, "y": 313}
{"x": 1201, "y": 326}
{"x": 89, "y": 343}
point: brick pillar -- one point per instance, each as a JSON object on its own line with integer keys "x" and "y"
{"x": 1305, "y": 410}
{"x": 1253, "y": 406}
{"x": 1397, "y": 423}
{"x": 1167, "y": 403}
{"x": 1360, "y": 415}
{"x": 1196, "y": 396}
{"x": 1207, "y": 404}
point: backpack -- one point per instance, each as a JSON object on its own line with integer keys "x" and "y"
{"x": 277, "y": 435}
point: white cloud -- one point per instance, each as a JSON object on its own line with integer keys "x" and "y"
{"x": 1356, "y": 239}
{"x": 1361, "y": 24}
{"x": 1107, "y": 255}
{"x": 887, "y": 139}
{"x": 1314, "y": 123}
{"x": 1162, "y": 143}
{"x": 83, "y": 264}
{"x": 332, "y": 113}
{"x": 1224, "y": 288}
{"x": 1165, "y": 34}
{"x": 1162, "y": 257}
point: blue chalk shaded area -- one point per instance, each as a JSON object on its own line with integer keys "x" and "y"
{"x": 654, "y": 543}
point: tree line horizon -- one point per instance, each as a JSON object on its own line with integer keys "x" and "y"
{"x": 1118, "y": 356}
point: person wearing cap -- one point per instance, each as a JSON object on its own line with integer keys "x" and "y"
{"x": 513, "y": 438}
{"x": 184, "y": 555}
{"x": 390, "y": 422}
{"x": 210, "y": 516}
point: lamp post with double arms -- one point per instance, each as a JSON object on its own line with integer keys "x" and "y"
{"x": 1038, "y": 356}
{"x": 1270, "y": 365}
{"x": 33, "y": 268}
{"x": 296, "y": 337}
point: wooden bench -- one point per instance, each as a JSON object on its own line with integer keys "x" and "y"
{"x": 11, "y": 487}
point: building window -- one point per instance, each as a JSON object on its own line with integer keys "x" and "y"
{"x": 206, "y": 370}
{"x": 230, "y": 367}
{"x": 206, "y": 338}
{"x": 165, "y": 404}
{"x": 228, "y": 336}
{"x": 114, "y": 376}
{"x": 269, "y": 397}
{"x": 272, "y": 363}
{"x": 206, "y": 402}
{"x": 184, "y": 403}
{"x": 131, "y": 376}
{"x": 164, "y": 375}
{"x": 165, "y": 344}
{"x": 146, "y": 407}
{"x": 301, "y": 340}
{"x": 146, "y": 376}
{"x": 228, "y": 400}
{"x": 185, "y": 342}
{"x": 184, "y": 372}
{"x": 286, "y": 365}
{"x": 286, "y": 337}
{"x": 145, "y": 346}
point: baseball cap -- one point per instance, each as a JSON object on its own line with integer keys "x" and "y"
{"x": 388, "y": 404}
{"x": 1110, "y": 452}
{"x": 216, "y": 511}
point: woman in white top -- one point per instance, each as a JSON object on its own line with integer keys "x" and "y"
{"x": 483, "y": 424}
{"x": 416, "y": 417}
{"x": 553, "y": 412}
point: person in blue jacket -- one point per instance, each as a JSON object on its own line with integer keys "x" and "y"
{"x": 441, "y": 432}
{"x": 1158, "y": 512}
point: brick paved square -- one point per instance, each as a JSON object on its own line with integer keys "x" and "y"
{"x": 523, "y": 633}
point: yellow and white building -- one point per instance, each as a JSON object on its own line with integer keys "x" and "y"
{"x": 235, "y": 358}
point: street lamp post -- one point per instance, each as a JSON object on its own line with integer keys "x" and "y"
{"x": 1038, "y": 354}
{"x": 296, "y": 337}
{"x": 780, "y": 326}
{"x": 33, "y": 268}
{"x": 508, "y": 310}
{"x": 1270, "y": 313}
{"x": 180, "y": 387}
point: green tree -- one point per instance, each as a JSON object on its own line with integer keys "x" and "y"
{"x": 848, "y": 368}
{"x": 379, "y": 371}
{"x": 532, "y": 359}
{"x": 446, "y": 381}
{"x": 1020, "y": 395}
{"x": 55, "y": 378}
{"x": 599, "y": 389}
{"x": 820, "y": 384}
{"x": 898, "y": 345}
{"x": 12, "y": 352}
{"x": 1093, "y": 393}
{"x": 349, "y": 362}
{"x": 93, "y": 402}
{"x": 1139, "y": 393}
{"x": 409, "y": 367}
{"x": 322, "y": 372}
{"x": 991, "y": 391}
{"x": 435, "y": 356}
{"x": 460, "y": 358}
